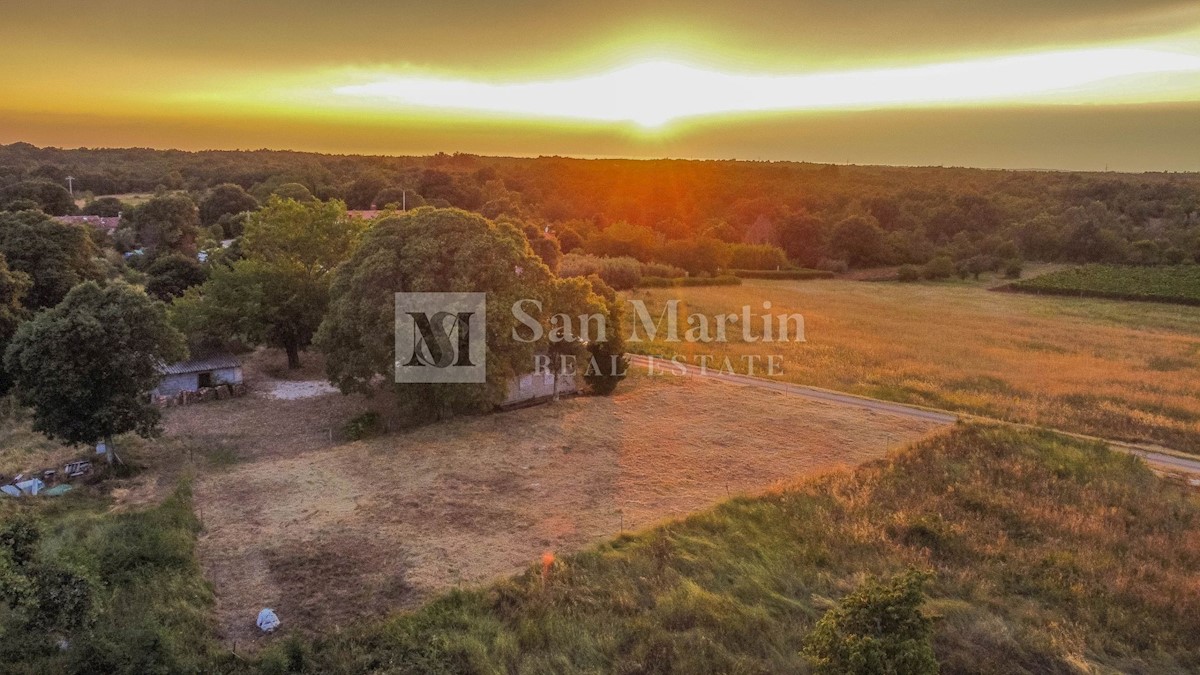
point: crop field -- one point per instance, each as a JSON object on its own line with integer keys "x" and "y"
{"x": 327, "y": 532}
{"x": 1129, "y": 371}
{"x": 1178, "y": 284}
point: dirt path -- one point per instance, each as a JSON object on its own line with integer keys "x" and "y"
{"x": 1159, "y": 458}
{"x": 327, "y": 534}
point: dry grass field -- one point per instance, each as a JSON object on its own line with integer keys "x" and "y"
{"x": 325, "y": 533}
{"x": 1117, "y": 369}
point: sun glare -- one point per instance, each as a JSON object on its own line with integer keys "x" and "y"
{"x": 654, "y": 93}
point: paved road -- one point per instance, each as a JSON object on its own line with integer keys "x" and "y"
{"x": 1159, "y": 458}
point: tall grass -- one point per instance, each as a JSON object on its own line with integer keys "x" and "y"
{"x": 1046, "y": 555}
{"x": 1114, "y": 369}
{"x": 152, "y": 605}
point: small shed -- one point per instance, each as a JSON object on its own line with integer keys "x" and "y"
{"x": 533, "y": 388}
{"x": 199, "y": 373}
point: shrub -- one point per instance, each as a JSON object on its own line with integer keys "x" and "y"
{"x": 798, "y": 273}
{"x": 878, "y": 628}
{"x": 662, "y": 270}
{"x": 908, "y": 273}
{"x": 1013, "y": 269}
{"x": 757, "y": 257}
{"x": 621, "y": 273}
{"x": 362, "y": 426}
{"x": 941, "y": 267}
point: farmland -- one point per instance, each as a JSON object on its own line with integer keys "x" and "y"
{"x": 1177, "y": 284}
{"x": 1037, "y": 544}
{"x": 328, "y": 532}
{"x": 1112, "y": 369}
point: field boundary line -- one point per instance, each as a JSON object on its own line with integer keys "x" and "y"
{"x": 1162, "y": 458}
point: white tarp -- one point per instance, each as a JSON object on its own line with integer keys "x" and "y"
{"x": 267, "y": 621}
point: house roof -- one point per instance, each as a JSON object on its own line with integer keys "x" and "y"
{"x": 214, "y": 362}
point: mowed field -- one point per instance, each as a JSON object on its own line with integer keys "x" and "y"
{"x": 1123, "y": 370}
{"x": 325, "y": 533}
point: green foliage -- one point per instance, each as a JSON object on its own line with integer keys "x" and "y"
{"x": 123, "y": 589}
{"x": 170, "y": 275}
{"x": 441, "y": 250}
{"x": 276, "y": 294}
{"x": 87, "y": 366}
{"x": 364, "y": 425}
{"x": 167, "y": 223}
{"x": 1013, "y": 269}
{"x": 941, "y": 267}
{"x": 699, "y": 255}
{"x": 908, "y": 273}
{"x": 859, "y": 241}
{"x": 51, "y": 198}
{"x": 621, "y": 273}
{"x": 876, "y": 630}
{"x": 226, "y": 199}
{"x": 53, "y": 255}
{"x": 107, "y": 207}
{"x": 294, "y": 191}
{"x": 757, "y": 257}
{"x": 784, "y": 274}
{"x": 1178, "y": 284}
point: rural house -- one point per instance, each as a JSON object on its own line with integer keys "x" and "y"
{"x": 532, "y": 388}
{"x": 199, "y": 373}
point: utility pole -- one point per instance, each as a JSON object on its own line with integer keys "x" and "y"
{"x": 404, "y": 200}
{"x": 71, "y": 186}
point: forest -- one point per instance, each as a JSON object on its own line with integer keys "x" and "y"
{"x": 701, "y": 217}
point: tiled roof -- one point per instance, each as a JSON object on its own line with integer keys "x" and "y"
{"x": 214, "y": 362}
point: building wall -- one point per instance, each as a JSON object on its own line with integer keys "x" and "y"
{"x": 173, "y": 384}
{"x": 534, "y": 386}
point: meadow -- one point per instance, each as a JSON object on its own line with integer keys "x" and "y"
{"x": 1040, "y": 550}
{"x": 1113, "y": 369}
{"x": 1177, "y": 284}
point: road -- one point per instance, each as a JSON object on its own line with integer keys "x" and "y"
{"x": 1160, "y": 459}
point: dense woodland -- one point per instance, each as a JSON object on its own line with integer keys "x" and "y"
{"x": 688, "y": 214}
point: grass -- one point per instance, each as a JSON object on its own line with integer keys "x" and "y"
{"x": 1048, "y": 555}
{"x": 1176, "y": 284}
{"x": 152, "y": 607}
{"x": 1126, "y": 371}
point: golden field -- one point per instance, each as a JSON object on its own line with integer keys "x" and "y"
{"x": 1122, "y": 370}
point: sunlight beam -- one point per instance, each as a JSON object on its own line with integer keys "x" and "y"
{"x": 654, "y": 93}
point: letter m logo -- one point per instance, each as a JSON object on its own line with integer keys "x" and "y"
{"x": 440, "y": 337}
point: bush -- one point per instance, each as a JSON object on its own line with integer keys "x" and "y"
{"x": 908, "y": 273}
{"x": 799, "y": 273}
{"x": 1013, "y": 269}
{"x": 621, "y": 273}
{"x": 662, "y": 270}
{"x": 362, "y": 426}
{"x": 757, "y": 257}
{"x": 878, "y": 628}
{"x": 941, "y": 267}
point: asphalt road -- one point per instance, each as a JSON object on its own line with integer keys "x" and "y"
{"x": 1157, "y": 458}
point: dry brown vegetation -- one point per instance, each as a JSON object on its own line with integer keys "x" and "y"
{"x": 324, "y": 533}
{"x": 1121, "y": 370}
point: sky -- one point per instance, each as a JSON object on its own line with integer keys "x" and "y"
{"x": 1092, "y": 85}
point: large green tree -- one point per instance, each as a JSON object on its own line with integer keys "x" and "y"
{"x": 55, "y": 256}
{"x": 13, "y": 287}
{"x": 277, "y": 293}
{"x": 167, "y": 222}
{"x": 87, "y": 366}
{"x": 226, "y": 199}
{"x": 50, "y": 197}
{"x": 442, "y": 250}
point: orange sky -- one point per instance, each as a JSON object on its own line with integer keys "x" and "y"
{"x": 1017, "y": 84}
